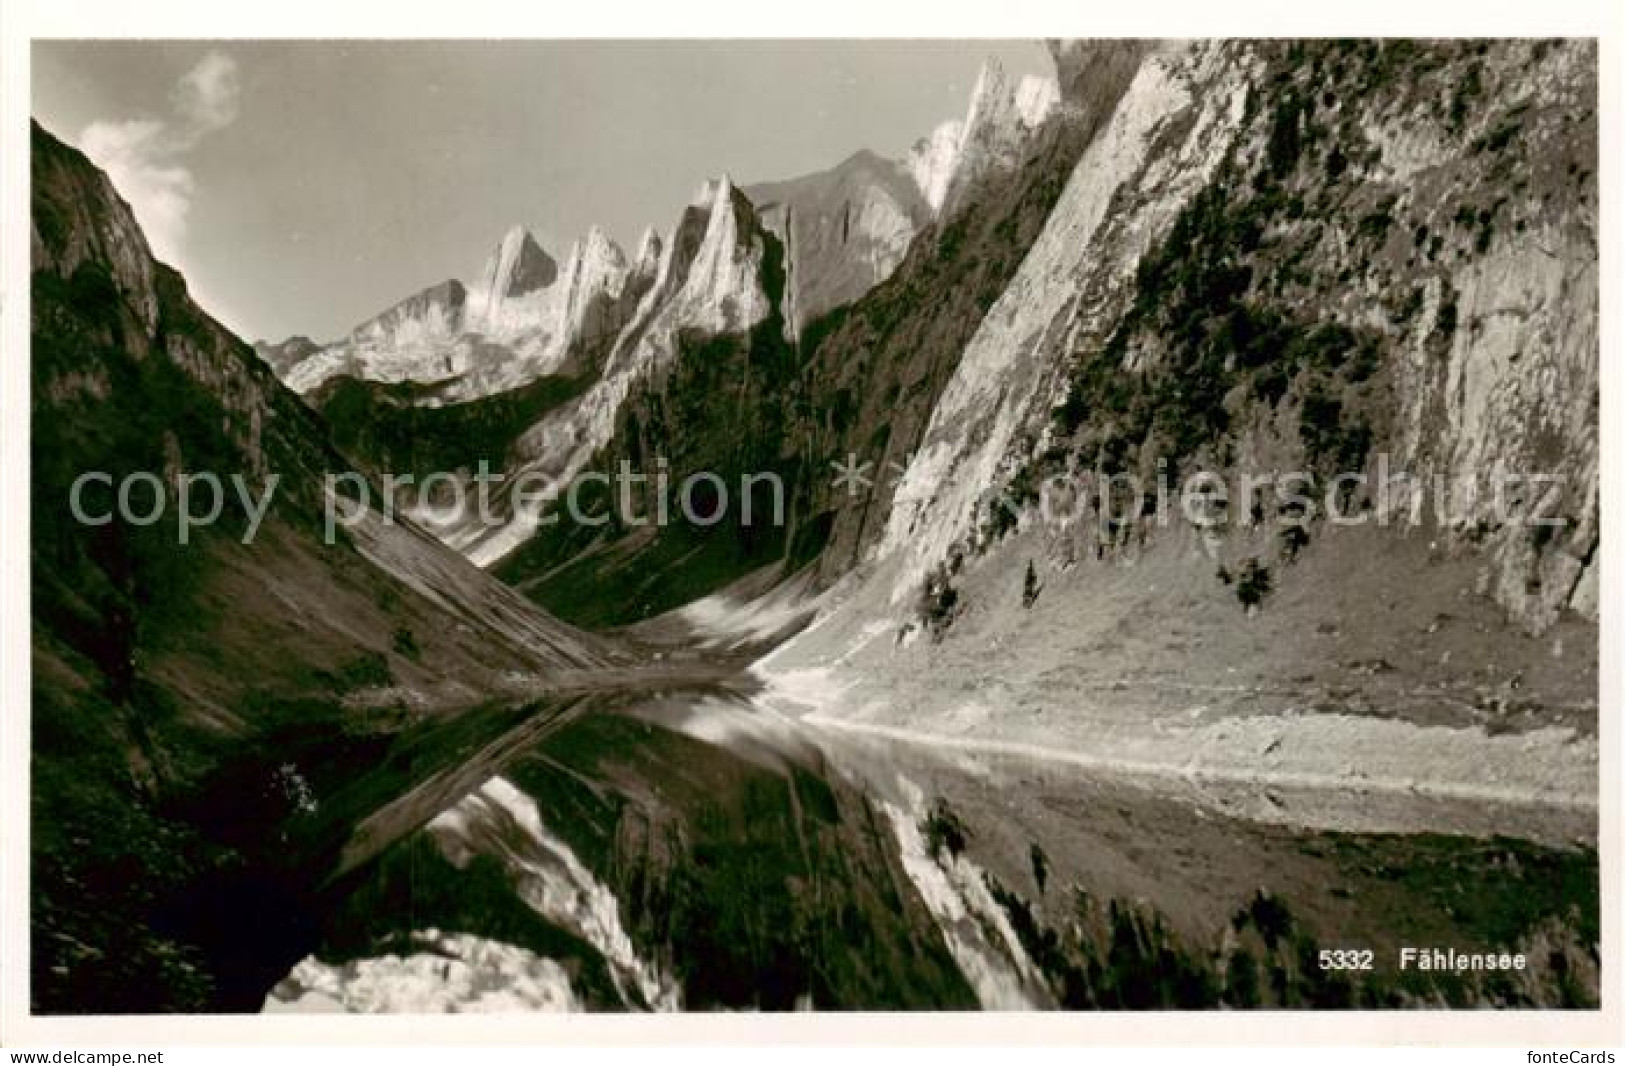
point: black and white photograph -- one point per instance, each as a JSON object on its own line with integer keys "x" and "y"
{"x": 1044, "y": 524}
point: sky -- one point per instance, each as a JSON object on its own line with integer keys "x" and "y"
{"x": 304, "y": 186}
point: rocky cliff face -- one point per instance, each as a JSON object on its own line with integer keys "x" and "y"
{"x": 1352, "y": 262}
{"x": 845, "y": 230}
{"x": 552, "y": 327}
{"x": 594, "y": 276}
{"x": 1052, "y": 323}
{"x": 1375, "y": 258}
{"x": 1239, "y": 259}
{"x": 435, "y": 314}
{"x": 840, "y": 233}
{"x": 857, "y": 383}
{"x": 419, "y": 339}
{"x": 512, "y": 294}
{"x": 932, "y": 159}
{"x": 517, "y": 267}
{"x": 1171, "y": 126}
{"x": 881, "y": 369}
{"x": 647, "y": 260}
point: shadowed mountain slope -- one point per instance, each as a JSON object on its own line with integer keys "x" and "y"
{"x": 157, "y": 661}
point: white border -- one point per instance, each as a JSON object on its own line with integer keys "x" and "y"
{"x": 25, "y": 20}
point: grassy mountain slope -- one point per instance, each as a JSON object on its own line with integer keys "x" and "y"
{"x": 157, "y": 663}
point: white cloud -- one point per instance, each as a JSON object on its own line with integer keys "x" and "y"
{"x": 145, "y": 157}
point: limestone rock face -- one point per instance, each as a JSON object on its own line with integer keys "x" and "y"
{"x": 89, "y": 222}
{"x": 842, "y": 232}
{"x": 508, "y": 298}
{"x": 1385, "y": 217}
{"x": 647, "y": 260}
{"x": 1036, "y": 98}
{"x": 130, "y": 375}
{"x": 722, "y": 288}
{"x": 418, "y": 339}
{"x": 521, "y": 322}
{"x": 434, "y": 313}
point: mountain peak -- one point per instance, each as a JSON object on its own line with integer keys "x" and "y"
{"x": 598, "y": 245}
{"x": 713, "y": 192}
{"x": 992, "y": 87}
{"x": 595, "y": 261}
{"x": 434, "y": 312}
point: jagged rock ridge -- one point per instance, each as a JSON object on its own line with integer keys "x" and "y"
{"x": 709, "y": 280}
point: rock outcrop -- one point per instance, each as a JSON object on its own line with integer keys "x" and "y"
{"x": 594, "y": 274}
{"x": 844, "y": 230}
{"x": 521, "y": 322}
{"x": 517, "y": 267}
{"x": 419, "y": 339}
{"x": 1077, "y": 274}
